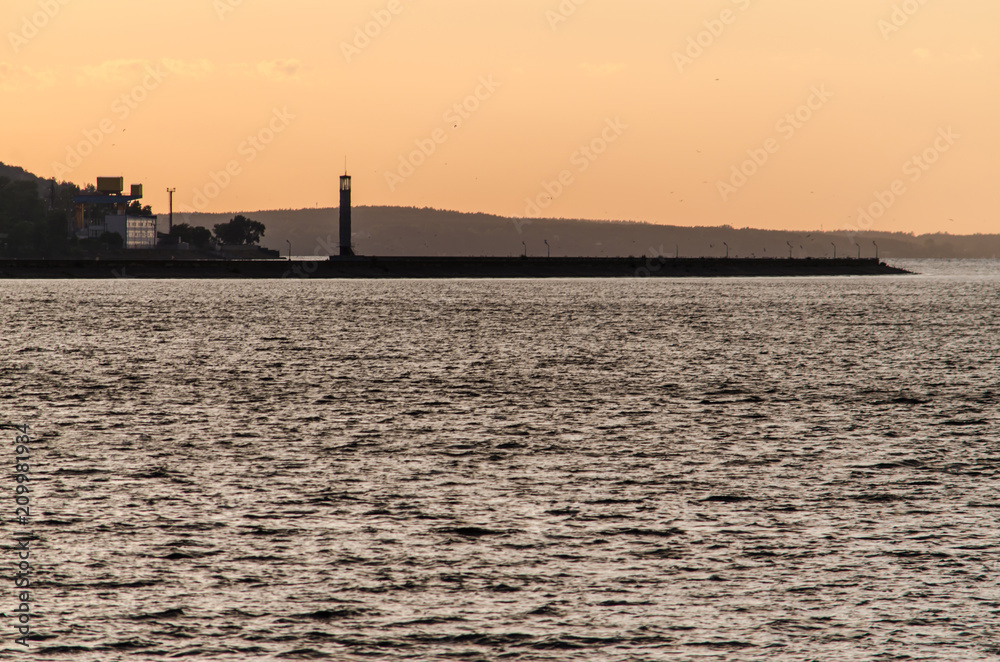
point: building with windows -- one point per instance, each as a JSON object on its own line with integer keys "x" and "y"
{"x": 136, "y": 231}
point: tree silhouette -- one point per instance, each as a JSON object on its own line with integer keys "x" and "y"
{"x": 135, "y": 208}
{"x": 195, "y": 235}
{"x": 240, "y": 231}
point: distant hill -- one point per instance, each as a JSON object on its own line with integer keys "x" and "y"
{"x": 432, "y": 232}
{"x": 14, "y": 173}
{"x": 17, "y": 174}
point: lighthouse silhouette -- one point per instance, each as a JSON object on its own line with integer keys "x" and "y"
{"x": 345, "y": 216}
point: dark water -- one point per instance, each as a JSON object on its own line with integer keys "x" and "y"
{"x": 500, "y": 470}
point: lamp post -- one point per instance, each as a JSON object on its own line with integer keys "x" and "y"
{"x": 789, "y": 249}
{"x": 727, "y": 249}
{"x": 876, "y": 251}
{"x": 525, "y": 254}
{"x": 548, "y": 249}
{"x": 289, "y": 242}
{"x": 859, "y": 249}
{"x": 834, "y": 249}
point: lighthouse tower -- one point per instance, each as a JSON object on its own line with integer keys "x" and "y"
{"x": 345, "y": 216}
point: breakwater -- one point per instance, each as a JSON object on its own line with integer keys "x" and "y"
{"x": 444, "y": 267}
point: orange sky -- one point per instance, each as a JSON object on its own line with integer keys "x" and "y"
{"x": 638, "y": 109}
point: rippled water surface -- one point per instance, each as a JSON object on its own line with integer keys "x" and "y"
{"x": 743, "y": 469}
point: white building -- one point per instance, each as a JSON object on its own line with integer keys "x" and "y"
{"x": 136, "y": 231}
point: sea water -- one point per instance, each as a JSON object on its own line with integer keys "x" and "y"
{"x": 731, "y": 469}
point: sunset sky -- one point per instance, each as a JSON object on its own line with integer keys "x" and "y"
{"x": 644, "y": 109}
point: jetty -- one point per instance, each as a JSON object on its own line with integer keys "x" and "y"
{"x": 348, "y": 267}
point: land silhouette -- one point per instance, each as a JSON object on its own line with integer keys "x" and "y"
{"x": 401, "y": 231}
{"x": 33, "y": 216}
